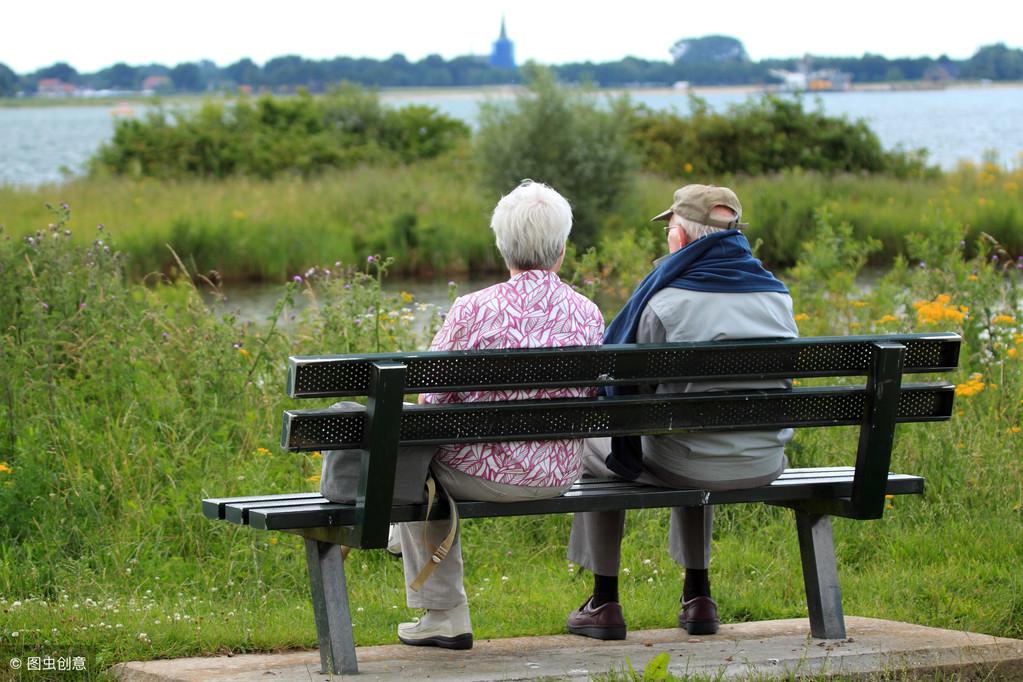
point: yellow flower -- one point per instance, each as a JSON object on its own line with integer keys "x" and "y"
{"x": 4, "y": 469}
{"x": 262, "y": 451}
{"x": 1014, "y": 429}
{"x": 687, "y": 167}
{"x": 1012, "y": 352}
{"x": 238, "y": 214}
{"x": 886, "y": 318}
{"x": 1011, "y": 186}
{"x": 314, "y": 479}
{"x": 938, "y": 310}
{"x": 972, "y": 278}
{"x": 801, "y": 317}
{"x": 1004, "y": 319}
{"x": 273, "y": 540}
{"x": 859, "y": 304}
{"x": 242, "y": 352}
{"x": 1017, "y": 339}
{"x": 315, "y": 454}
{"x": 972, "y": 387}
{"x": 406, "y": 297}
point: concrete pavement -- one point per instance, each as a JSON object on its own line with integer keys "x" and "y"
{"x": 762, "y": 650}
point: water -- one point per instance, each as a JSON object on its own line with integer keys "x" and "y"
{"x": 45, "y": 144}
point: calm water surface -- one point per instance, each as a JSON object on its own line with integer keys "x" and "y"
{"x": 44, "y": 145}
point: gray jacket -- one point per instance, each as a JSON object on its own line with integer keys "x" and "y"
{"x": 683, "y": 315}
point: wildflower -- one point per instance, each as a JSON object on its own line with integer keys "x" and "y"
{"x": 406, "y": 297}
{"x": 262, "y": 451}
{"x": 972, "y": 387}
{"x": 273, "y": 541}
{"x": 315, "y": 454}
{"x": 972, "y": 278}
{"x": 297, "y": 279}
{"x": 687, "y": 167}
{"x": 1014, "y": 429}
{"x": 801, "y": 317}
{"x": 45, "y": 306}
{"x": 1003, "y": 319}
{"x": 1012, "y": 352}
{"x": 886, "y": 318}
{"x": 938, "y": 310}
{"x": 4, "y": 468}
{"x": 314, "y": 479}
{"x": 859, "y": 304}
{"x": 242, "y": 352}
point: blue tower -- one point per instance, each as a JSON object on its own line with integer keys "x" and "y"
{"x": 503, "y": 55}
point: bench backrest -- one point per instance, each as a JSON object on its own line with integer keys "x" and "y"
{"x": 386, "y": 423}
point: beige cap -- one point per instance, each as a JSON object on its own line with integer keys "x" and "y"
{"x": 695, "y": 202}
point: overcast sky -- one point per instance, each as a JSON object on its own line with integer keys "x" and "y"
{"x": 94, "y": 34}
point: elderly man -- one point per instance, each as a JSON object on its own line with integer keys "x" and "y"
{"x": 709, "y": 287}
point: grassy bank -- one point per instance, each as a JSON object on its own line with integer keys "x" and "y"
{"x": 122, "y": 406}
{"x": 436, "y": 217}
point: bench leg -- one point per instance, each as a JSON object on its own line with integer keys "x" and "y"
{"x": 330, "y": 606}
{"x": 820, "y": 575}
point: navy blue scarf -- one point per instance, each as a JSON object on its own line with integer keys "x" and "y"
{"x": 721, "y": 262}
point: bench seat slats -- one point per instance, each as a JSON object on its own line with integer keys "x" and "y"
{"x": 312, "y": 511}
{"x": 334, "y": 429}
{"x": 213, "y": 508}
{"x": 337, "y": 375}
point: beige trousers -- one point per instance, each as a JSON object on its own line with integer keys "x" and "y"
{"x": 444, "y": 589}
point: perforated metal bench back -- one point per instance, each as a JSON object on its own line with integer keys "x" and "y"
{"x": 334, "y": 375}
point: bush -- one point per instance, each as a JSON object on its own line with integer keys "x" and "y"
{"x": 763, "y": 136}
{"x": 563, "y": 138}
{"x": 269, "y": 136}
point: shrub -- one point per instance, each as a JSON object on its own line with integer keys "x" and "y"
{"x": 763, "y": 136}
{"x": 561, "y": 137}
{"x": 269, "y": 136}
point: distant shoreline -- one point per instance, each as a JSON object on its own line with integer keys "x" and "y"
{"x": 502, "y": 92}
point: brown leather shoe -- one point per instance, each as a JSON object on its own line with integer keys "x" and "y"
{"x": 699, "y": 616}
{"x": 603, "y": 622}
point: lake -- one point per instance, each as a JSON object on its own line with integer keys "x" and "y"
{"x": 49, "y": 144}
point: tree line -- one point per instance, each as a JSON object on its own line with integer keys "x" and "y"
{"x": 709, "y": 60}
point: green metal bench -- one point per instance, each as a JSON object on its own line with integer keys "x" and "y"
{"x": 815, "y": 494}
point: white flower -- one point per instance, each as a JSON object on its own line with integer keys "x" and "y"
{"x": 626, "y": 571}
{"x": 504, "y": 578}
{"x": 15, "y": 633}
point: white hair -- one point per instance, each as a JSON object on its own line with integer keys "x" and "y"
{"x": 695, "y": 230}
{"x": 531, "y": 224}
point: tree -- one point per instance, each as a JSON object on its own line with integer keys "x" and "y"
{"x": 8, "y": 81}
{"x": 60, "y": 70}
{"x": 709, "y": 49}
{"x": 564, "y": 138}
{"x": 187, "y": 77}
{"x": 120, "y": 76}
{"x": 244, "y": 72}
{"x": 996, "y": 62}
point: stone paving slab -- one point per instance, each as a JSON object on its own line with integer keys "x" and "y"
{"x": 777, "y": 648}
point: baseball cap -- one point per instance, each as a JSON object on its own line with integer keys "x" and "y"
{"x": 695, "y": 202}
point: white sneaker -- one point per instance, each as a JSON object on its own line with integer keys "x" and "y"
{"x": 445, "y": 628}
{"x": 393, "y": 540}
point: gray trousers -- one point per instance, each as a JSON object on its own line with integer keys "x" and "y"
{"x": 444, "y": 589}
{"x": 596, "y": 539}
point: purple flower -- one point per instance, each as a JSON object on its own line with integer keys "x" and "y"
{"x": 46, "y": 306}
{"x": 81, "y": 306}
{"x": 296, "y": 278}
{"x": 358, "y": 321}
{"x": 369, "y": 259}
{"x": 441, "y": 314}
{"x": 923, "y": 264}
{"x": 994, "y": 257}
{"x": 64, "y": 205}
{"x": 348, "y": 286}
{"x": 165, "y": 335}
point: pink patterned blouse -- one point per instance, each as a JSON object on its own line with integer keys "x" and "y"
{"x": 533, "y": 309}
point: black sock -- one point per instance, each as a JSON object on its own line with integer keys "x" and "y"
{"x": 605, "y": 589}
{"x": 697, "y": 583}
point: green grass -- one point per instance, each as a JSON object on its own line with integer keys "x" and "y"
{"x": 118, "y": 416}
{"x": 435, "y": 217}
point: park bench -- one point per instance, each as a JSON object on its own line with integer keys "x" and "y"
{"x": 858, "y": 492}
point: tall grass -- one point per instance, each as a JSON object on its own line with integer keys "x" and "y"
{"x": 122, "y": 406}
{"x": 435, "y": 216}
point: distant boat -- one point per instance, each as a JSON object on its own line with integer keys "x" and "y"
{"x": 122, "y": 109}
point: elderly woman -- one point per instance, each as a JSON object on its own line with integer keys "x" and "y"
{"x": 532, "y": 309}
